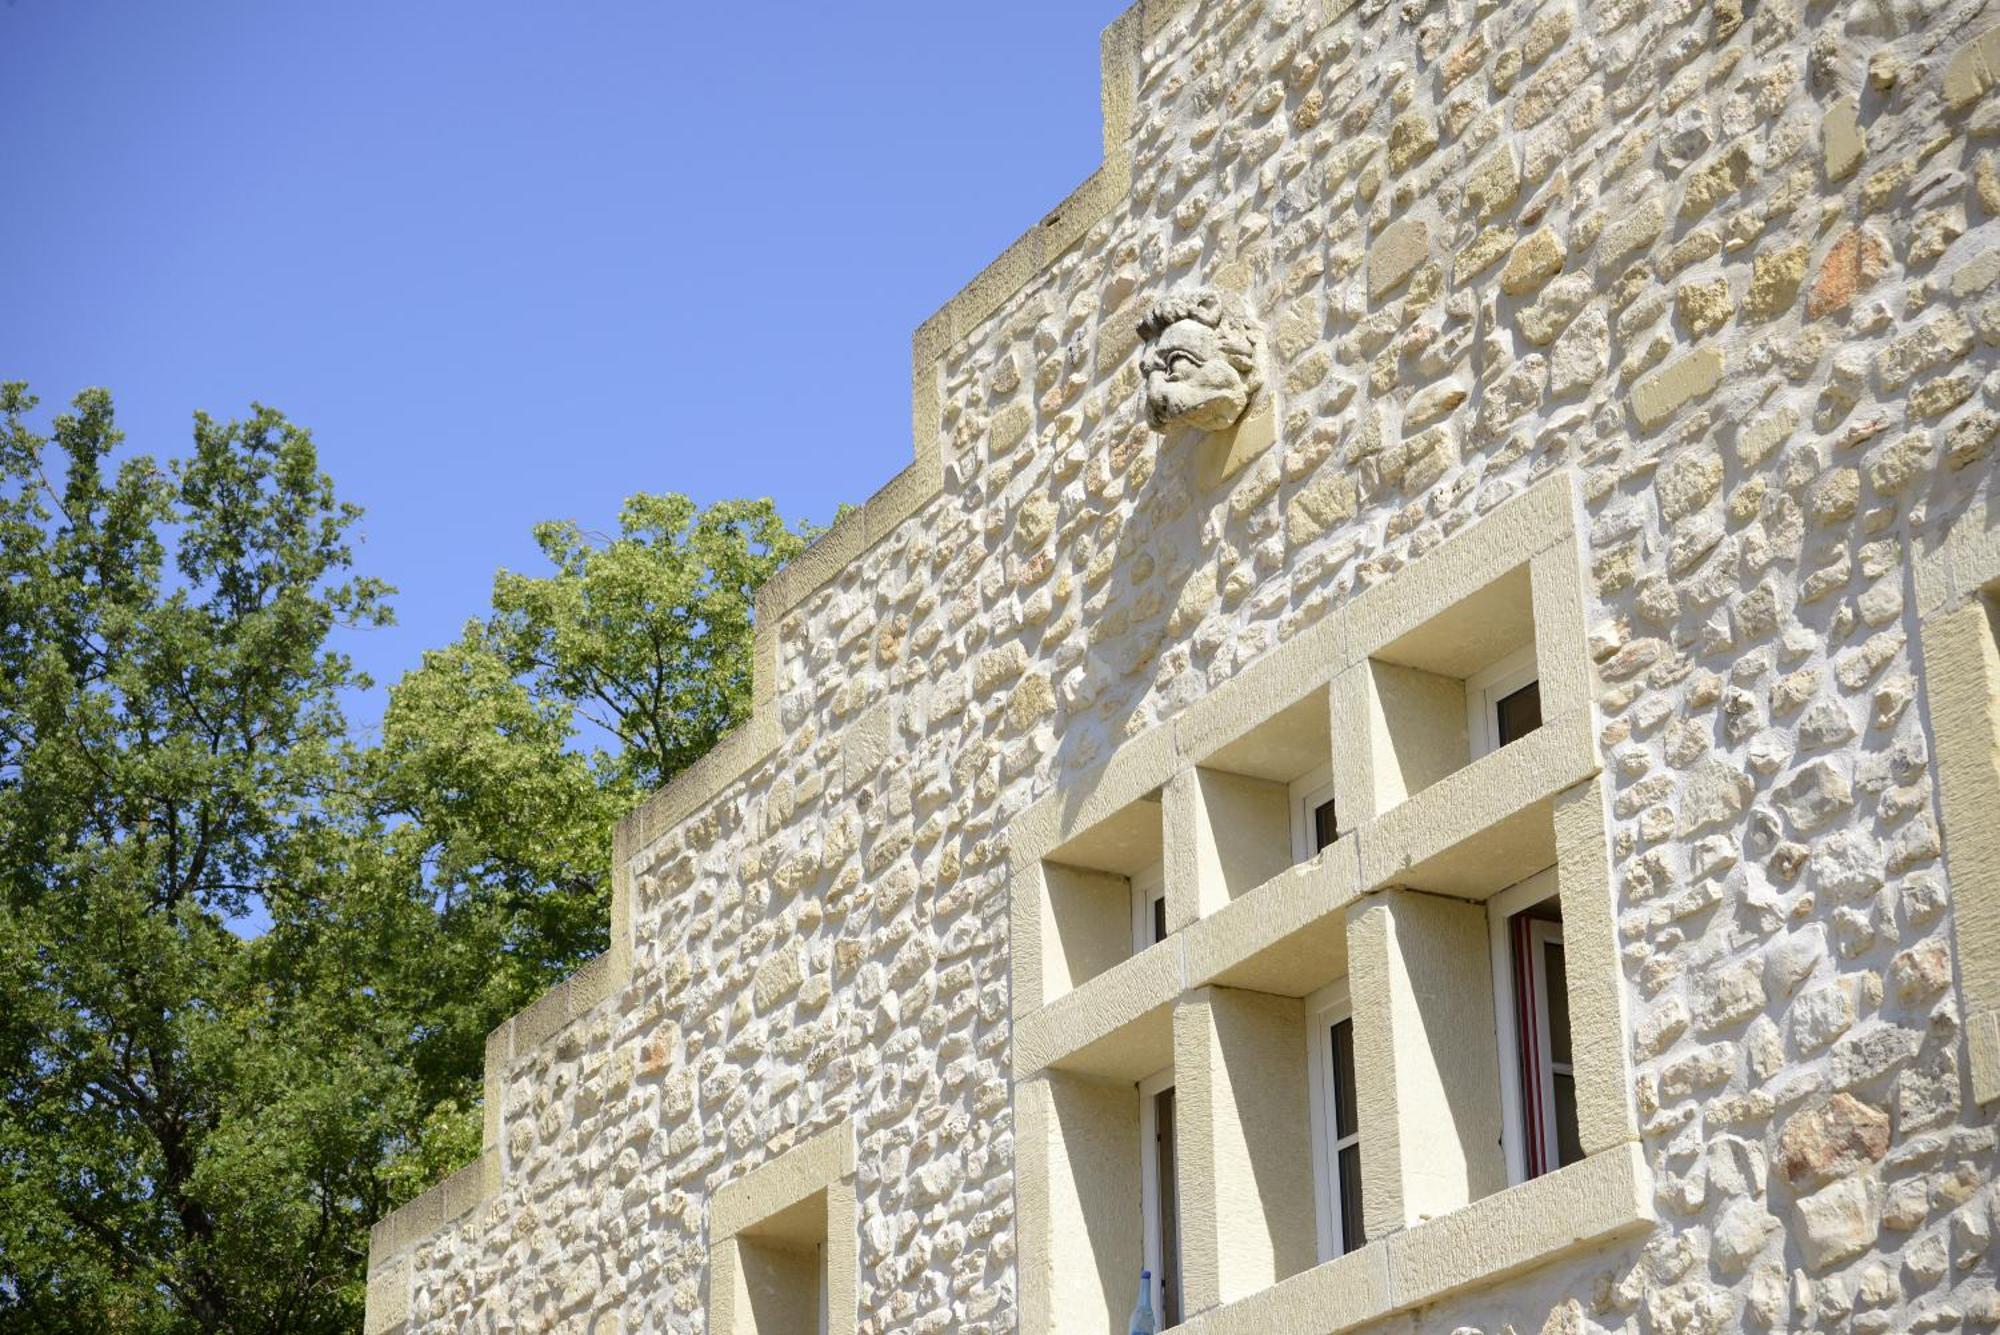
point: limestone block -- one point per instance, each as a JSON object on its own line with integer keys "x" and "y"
{"x": 1775, "y": 277}
{"x": 1839, "y": 1223}
{"x": 1481, "y": 252}
{"x": 1856, "y": 260}
{"x": 1972, "y": 70}
{"x": 1846, "y": 144}
{"x": 1704, "y": 307}
{"x": 1631, "y": 229}
{"x": 1659, "y": 393}
{"x": 1425, "y": 1058}
{"x": 1411, "y": 138}
{"x": 1322, "y": 503}
{"x": 1534, "y": 262}
{"x": 1493, "y": 184}
{"x": 1397, "y": 252}
{"x": 1831, "y": 1140}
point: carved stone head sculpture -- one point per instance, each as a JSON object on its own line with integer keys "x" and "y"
{"x": 1202, "y": 363}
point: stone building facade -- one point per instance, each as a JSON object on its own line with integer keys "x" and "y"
{"x": 1418, "y": 750}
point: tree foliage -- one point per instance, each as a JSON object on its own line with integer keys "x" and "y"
{"x": 198, "y": 1124}
{"x": 507, "y": 757}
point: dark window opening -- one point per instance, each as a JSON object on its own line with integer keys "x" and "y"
{"x": 1519, "y": 713}
{"x": 1170, "y": 1213}
{"x": 1324, "y": 832}
{"x": 1346, "y": 1129}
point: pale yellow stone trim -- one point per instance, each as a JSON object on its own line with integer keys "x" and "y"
{"x": 1600, "y": 1028}
{"x": 1488, "y": 825}
{"x": 1478, "y": 829}
{"x": 1556, "y": 576}
{"x": 1116, "y": 1026}
{"x": 1967, "y": 560}
{"x": 1242, "y": 1116}
{"x": 808, "y": 1167}
{"x": 1288, "y": 935}
{"x": 1076, "y": 1203}
{"x": 1134, "y": 770}
{"x": 388, "y": 1298}
{"x": 823, "y": 1165}
{"x": 1605, "y": 1198}
{"x": 1426, "y": 1065}
{"x": 1427, "y": 844}
{"x": 1490, "y": 547}
{"x": 1180, "y": 809}
{"x": 1962, "y": 684}
{"x": 1281, "y": 678}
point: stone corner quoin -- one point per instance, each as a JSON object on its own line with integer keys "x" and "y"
{"x": 1394, "y": 361}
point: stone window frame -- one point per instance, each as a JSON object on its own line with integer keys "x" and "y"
{"x": 1958, "y": 591}
{"x": 1493, "y": 815}
{"x": 741, "y": 1207}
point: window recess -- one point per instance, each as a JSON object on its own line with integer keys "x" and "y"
{"x": 1460, "y": 686}
{"x": 1264, "y": 802}
{"x": 1103, "y": 897}
{"x": 783, "y": 1244}
{"x": 781, "y": 1270}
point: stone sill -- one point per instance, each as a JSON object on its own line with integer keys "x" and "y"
{"x": 1600, "y": 1200}
{"x": 1117, "y": 1025}
{"x": 1471, "y": 834}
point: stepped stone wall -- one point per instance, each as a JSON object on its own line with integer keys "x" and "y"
{"x": 1729, "y": 273}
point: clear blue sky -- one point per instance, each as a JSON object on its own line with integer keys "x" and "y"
{"x": 515, "y": 261}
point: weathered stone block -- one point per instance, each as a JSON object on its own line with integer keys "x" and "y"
{"x": 1659, "y": 393}
{"x": 1402, "y": 246}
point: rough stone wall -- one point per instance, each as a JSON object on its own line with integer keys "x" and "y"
{"x": 1738, "y": 267}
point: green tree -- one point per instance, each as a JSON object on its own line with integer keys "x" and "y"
{"x": 507, "y": 757}
{"x": 189, "y": 1122}
{"x": 198, "y": 1127}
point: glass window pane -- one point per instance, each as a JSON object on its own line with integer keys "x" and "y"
{"x": 1558, "y": 984}
{"x": 1352, "y": 1233}
{"x": 1323, "y": 826}
{"x": 1160, "y": 918}
{"x": 1519, "y": 713}
{"x": 1343, "y": 1080}
{"x": 1170, "y": 1212}
{"x": 1569, "y": 1146}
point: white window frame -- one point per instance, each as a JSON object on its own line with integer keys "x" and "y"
{"x": 1499, "y": 911}
{"x": 1149, "y": 1181}
{"x": 1308, "y": 793}
{"x": 1149, "y": 887}
{"x": 1541, "y": 936}
{"x": 1486, "y": 688}
{"x": 1324, "y": 1009}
